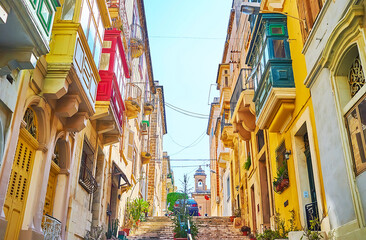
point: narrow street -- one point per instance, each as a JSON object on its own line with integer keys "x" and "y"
{"x": 182, "y": 119}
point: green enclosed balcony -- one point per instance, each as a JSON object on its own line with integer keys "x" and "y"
{"x": 25, "y": 27}
{"x": 274, "y": 87}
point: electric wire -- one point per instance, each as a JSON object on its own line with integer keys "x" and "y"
{"x": 194, "y": 143}
{"x": 190, "y": 115}
{"x": 200, "y": 114}
{"x": 175, "y": 141}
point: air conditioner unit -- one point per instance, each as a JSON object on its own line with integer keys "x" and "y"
{"x": 217, "y": 199}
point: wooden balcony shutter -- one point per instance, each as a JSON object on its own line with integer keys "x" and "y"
{"x": 130, "y": 145}
{"x": 308, "y": 10}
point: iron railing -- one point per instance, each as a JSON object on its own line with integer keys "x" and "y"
{"x": 51, "y": 228}
{"x": 244, "y": 81}
{"x": 225, "y": 119}
{"x": 311, "y": 213}
{"x": 113, "y": 3}
{"x": 87, "y": 180}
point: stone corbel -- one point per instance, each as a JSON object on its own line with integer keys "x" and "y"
{"x": 77, "y": 122}
{"x": 68, "y": 105}
{"x": 57, "y": 81}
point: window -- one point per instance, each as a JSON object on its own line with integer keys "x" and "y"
{"x": 130, "y": 147}
{"x": 277, "y": 30}
{"x": 278, "y": 48}
{"x": 86, "y": 178}
{"x": 200, "y": 184}
{"x": 308, "y": 10}
{"x": 228, "y": 188}
{"x": 260, "y": 139}
{"x": 93, "y": 28}
{"x": 356, "y": 123}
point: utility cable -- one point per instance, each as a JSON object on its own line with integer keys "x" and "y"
{"x": 200, "y": 114}
{"x": 175, "y": 141}
{"x": 190, "y": 115}
{"x": 194, "y": 143}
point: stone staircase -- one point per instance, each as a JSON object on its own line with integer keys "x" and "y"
{"x": 209, "y": 228}
{"x": 154, "y": 228}
{"x": 217, "y": 228}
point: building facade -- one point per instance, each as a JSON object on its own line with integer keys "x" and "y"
{"x": 75, "y": 114}
{"x": 201, "y": 194}
{"x": 335, "y": 69}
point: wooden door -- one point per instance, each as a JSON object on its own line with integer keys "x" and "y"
{"x": 51, "y": 189}
{"x": 17, "y": 193}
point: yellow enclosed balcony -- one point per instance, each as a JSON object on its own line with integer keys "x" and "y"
{"x": 242, "y": 105}
{"x": 75, "y": 50}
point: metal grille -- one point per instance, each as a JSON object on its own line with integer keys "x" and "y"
{"x": 30, "y": 119}
{"x": 86, "y": 178}
{"x": 356, "y": 78}
{"x": 225, "y": 119}
{"x": 51, "y": 228}
{"x": 244, "y": 82}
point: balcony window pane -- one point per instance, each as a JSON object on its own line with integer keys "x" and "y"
{"x": 98, "y": 50}
{"x": 96, "y": 12}
{"x": 266, "y": 53}
{"x": 91, "y": 36}
{"x": 68, "y": 10}
{"x": 278, "y": 48}
{"x": 101, "y": 28}
{"x": 277, "y": 30}
{"x": 84, "y": 19}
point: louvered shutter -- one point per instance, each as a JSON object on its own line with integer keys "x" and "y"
{"x": 130, "y": 145}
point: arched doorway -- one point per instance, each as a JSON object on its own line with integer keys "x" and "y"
{"x": 21, "y": 173}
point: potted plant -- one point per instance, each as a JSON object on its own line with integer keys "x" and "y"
{"x": 145, "y": 157}
{"x": 248, "y": 163}
{"x": 252, "y": 237}
{"x": 245, "y": 230}
{"x": 183, "y": 222}
{"x": 148, "y": 108}
{"x": 281, "y": 181}
{"x": 112, "y": 229}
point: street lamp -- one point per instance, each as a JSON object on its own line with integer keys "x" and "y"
{"x": 254, "y": 8}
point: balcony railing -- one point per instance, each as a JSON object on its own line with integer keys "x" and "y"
{"x": 225, "y": 119}
{"x": 51, "y": 228}
{"x": 245, "y": 81}
{"x": 87, "y": 180}
{"x": 113, "y": 3}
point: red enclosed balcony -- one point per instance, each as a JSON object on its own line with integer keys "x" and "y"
{"x": 113, "y": 72}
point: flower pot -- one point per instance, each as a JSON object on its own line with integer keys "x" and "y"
{"x": 127, "y": 231}
{"x": 245, "y": 233}
{"x": 232, "y": 218}
{"x": 278, "y": 188}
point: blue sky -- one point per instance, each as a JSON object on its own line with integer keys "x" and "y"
{"x": 186, "y": 44}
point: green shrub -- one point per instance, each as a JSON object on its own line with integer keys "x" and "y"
{"x": 173, "y": 197}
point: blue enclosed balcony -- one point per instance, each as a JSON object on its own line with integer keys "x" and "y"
{"x": 270, "y": 58}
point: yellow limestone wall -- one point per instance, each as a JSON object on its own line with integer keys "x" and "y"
{"x": 302, "y": 103}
